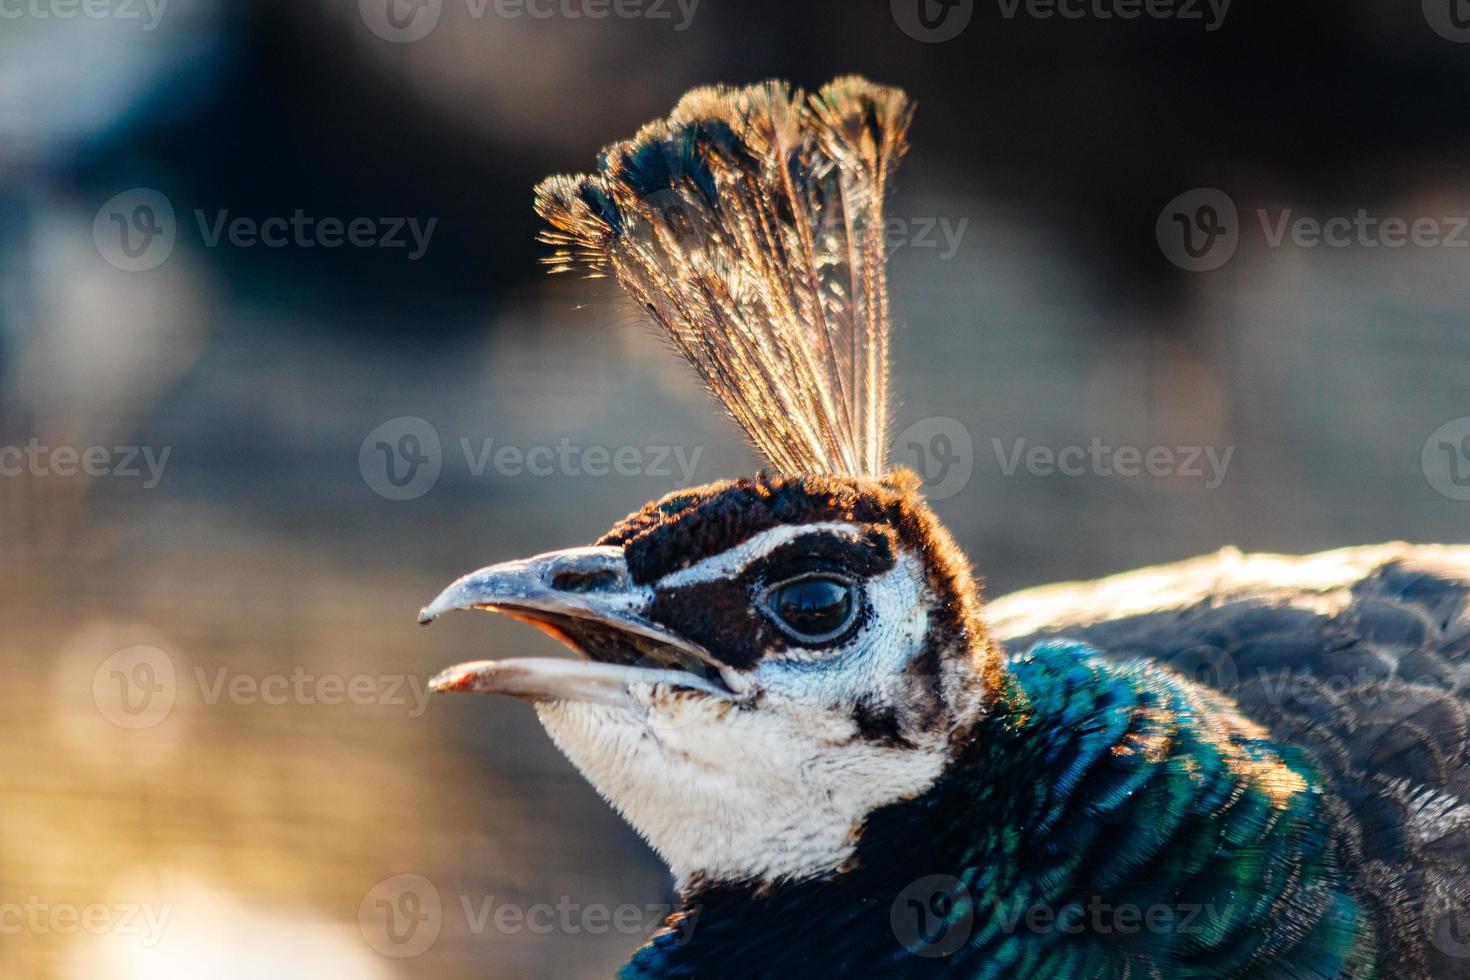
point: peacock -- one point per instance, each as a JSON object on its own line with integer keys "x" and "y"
{"x": 1237, "y": 767}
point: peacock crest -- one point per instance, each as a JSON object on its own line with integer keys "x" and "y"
{"x": 749, "y": 224}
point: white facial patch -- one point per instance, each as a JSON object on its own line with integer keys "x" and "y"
{"x": 761, "y": 795}
{"x": 896, "y": 623}
{"x": 775, "y": 789}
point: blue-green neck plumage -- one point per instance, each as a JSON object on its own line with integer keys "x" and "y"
{"x": 1101, "y": 821}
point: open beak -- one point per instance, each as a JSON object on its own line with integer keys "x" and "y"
{"x": 585, "y": 598}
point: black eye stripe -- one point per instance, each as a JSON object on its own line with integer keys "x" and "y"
{"x": 726, "y": 617}
{"x": 718, "y": 615}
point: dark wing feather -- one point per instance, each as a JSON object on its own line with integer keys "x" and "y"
{"x": 1361, "y": 656}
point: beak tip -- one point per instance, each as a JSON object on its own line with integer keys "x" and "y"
{"x": 456, "y": 679}
{"x": 426, "y": 617}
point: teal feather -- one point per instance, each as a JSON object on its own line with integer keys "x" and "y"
{"x": 1106, "y": 820}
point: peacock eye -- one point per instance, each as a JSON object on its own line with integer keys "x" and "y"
{"x": 812, "y": 610}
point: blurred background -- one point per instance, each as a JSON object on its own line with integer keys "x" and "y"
{"x": 277, "y": 362}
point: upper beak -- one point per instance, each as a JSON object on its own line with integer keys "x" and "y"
{"x": 586, "y": 598}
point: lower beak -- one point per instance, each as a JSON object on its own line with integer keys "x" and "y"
{"x": 584, "y": 597}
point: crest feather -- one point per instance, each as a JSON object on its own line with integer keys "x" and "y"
{"x": 749, "y": 224}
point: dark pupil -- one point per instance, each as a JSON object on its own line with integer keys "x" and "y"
{"x": 814, "y": 607}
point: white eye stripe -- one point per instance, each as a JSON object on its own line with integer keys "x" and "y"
{"x": 729, "y": 564}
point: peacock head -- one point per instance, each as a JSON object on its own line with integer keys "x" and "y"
{"x": 767, "y": 661}
{"x": 764, "y": 662}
